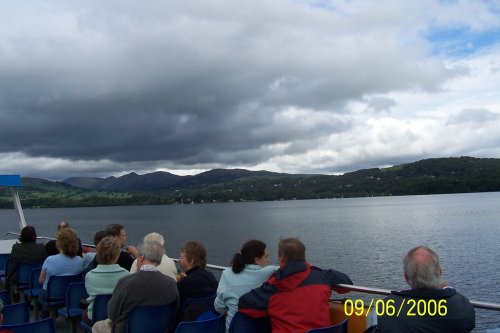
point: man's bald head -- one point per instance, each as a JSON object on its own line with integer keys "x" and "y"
{"x": 422, "y": 269}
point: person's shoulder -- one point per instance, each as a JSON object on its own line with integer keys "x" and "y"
{"x": 207, "y": 273}
{"x": 16, "y": 246}
{"x": 75, "y": 259}
{"x": 269, "y": 269}
{"x": 39, "y": 246}
{"x": 52, "y": 258}
{"x": 126, "y": 279}
{"x": 154, "y": 277}
{"x": 165, "y": 257}
{"x": 458, "y": 298}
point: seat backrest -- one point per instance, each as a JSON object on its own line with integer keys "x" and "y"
{"x": 339, "y": 328}
{"x": 215, "y": 325}
{"x": 34, "y": 279}
{"x": 241, "y": 323}
{"x": 157, "y": 319}
{"x": 76, "y": 292}
{"x": 5, "y": 297}
{"x": 16, "y": 314}
{"x": 191, "y": 308}
{"x": 45, "y": 326}
{"x": 23, "y": 272}
{"x": 100, "y": 307}
{"x": 57, "y": 286}
{"x": 4, "y": 261}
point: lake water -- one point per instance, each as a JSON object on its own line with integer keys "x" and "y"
{"x": 363, "y": 237}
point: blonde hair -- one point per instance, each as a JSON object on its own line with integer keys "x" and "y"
{"x": 67, "y": 242}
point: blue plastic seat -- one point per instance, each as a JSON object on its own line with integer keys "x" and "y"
{"x": 45, "y": 326}
{"x": 5, "y": 297}
{"x": 99, "y": 311}
{"x": 4, "y": 262}
{"x": 339, "y": 328}
{"x": 31, "y": 294}
{"x": 214, "y": 325}
{"x": 156, "y": 319}
{"x": 191, "y": 308}
{"x": 76, "y": 292}
{"x": 241, "y": 323}
{"x": 18, "y": 313}
{"x": 23, "y": 274}
{"x": 57, "y": 288}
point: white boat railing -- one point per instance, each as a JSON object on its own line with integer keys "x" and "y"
{"x": 354, "y": 288}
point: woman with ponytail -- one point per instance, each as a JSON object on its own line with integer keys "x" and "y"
{"x": 248, "y": 271}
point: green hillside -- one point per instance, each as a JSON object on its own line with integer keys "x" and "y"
{"x": 430, "y": 176}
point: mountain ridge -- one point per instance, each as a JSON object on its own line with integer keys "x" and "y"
{"x": 430, "y": 176}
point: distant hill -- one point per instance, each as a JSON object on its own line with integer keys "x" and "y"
{"x": 429, "y": 176}
{"x": 129, "y": 182}
{"x": 164, "y": 180}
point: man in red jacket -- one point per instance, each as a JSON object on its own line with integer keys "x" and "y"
{"x": 296, "y": 297}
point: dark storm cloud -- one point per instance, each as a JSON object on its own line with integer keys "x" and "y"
{"x": 173, "y": 90}
{"x": 193, "y": 83}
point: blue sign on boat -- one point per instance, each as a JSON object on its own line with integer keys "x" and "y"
{"x": 10, "y": 180}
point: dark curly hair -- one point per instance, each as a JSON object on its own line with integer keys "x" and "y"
{"x": 28, "y": 234}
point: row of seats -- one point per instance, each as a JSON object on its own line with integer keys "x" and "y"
{"x": 65, "y": 293}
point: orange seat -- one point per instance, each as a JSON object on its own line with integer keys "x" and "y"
{"x": 356, "y": 324}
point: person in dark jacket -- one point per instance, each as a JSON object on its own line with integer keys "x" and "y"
{"x": 429, "y": 306}
{"x": 26, "y": 251}
{"x": 296, "y": 297}
{"x": 128, "y": 253}
{"x": 195, "y": 281}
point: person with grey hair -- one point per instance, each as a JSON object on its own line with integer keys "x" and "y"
{"x": 167, "y": 265}
{"x": 146, "y": 287}
{"x": 430, "y": 305}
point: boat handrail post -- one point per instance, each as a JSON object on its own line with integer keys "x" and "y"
{"x": 19, "y": 208}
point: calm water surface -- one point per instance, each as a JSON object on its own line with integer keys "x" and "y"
{"x": 363, "y": 237}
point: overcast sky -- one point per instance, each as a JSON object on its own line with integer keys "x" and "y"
{"x": 101, "y": 88}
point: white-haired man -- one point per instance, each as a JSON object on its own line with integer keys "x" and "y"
{"x": 429, "y": 306}
{"x": 147, "y": 287}
{"x": 167, "y": 265}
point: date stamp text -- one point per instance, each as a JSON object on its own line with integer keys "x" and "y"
{"x": 408, "y": 307}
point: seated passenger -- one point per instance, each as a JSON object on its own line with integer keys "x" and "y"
{"x": 248, "y": 271}
{"x": 51, "y": 246}
{"x": 297, "y": 296}
{"x": 89, "y": 259}
{"x": 67, "y": 262}
{"x": 26, "y": 251}
{"x": 147, "y": 287}
{"x": 167, "y": 265}
{"x": 195, "y": 281}
{"x": 423, "y": 273}
{"x": 102, "y": 279}
{"x": 128, "y": 255}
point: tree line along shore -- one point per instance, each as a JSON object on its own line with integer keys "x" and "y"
{"x": 430, "y": 176}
